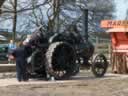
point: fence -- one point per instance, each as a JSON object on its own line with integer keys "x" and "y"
{"x": 103, "y": 46}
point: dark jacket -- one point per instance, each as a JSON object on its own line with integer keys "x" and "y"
{"x": 19, "y": 53}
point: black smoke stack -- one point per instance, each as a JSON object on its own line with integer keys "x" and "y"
{"x": 85, "y": 23}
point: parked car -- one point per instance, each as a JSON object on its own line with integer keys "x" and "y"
{"x": 3, "y": 52}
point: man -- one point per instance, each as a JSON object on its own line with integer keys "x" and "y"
{"x": 20, "y": 56}
{"x": 11, "y": 47}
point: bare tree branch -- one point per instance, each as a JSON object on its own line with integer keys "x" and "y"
{"x": 25, "y": 9}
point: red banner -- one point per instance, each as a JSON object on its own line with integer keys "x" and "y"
{"x": 114, "y": 24}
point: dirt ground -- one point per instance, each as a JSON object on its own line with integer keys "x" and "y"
{"x": 84, "y": 84}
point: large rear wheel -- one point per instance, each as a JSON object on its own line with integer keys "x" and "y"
{"x": 60, "y": 60}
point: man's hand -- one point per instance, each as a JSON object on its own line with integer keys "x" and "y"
{"x": 11, "y": 57}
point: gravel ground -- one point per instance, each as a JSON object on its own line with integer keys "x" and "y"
{"x": 84, "y": 84}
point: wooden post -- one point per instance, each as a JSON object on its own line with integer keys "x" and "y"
{"x": 119, "y": 63}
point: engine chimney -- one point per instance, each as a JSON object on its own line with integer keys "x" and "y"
{"x": 85, "y": 23}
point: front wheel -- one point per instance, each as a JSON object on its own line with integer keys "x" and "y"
{"x": 99, "y": 65}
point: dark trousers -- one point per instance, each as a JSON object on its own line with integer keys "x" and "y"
{"x": 21, "y": 69}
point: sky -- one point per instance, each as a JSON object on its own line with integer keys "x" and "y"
{"x": 121, "y": 9}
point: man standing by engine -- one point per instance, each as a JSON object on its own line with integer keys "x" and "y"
{"x": 23, "y": 52}
{"x": 20, "y": 56}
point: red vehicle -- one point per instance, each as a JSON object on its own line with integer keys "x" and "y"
{"x": 119, "y": 36}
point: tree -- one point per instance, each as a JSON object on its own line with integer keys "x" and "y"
{"x": 14, "y": 20}
{"x": 58, "y": 15}
{"x": 1, "y": 3}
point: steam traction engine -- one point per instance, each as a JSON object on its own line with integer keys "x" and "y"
{"x": 61, "y": 55}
